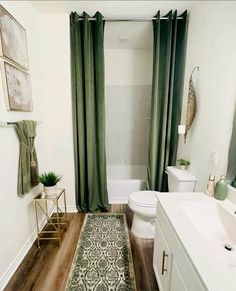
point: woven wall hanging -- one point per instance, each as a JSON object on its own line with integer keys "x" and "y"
{"x": 191, "y": 106}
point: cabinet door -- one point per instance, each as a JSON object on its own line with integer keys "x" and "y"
{"x": 177, "y": 282}
{"x": 162, "y": 261}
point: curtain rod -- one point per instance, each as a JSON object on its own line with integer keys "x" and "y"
{"x": 136, "y": 19}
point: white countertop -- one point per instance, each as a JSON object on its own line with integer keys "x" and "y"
{"x": 217, "y": 274}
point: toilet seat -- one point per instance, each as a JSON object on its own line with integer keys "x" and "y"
{"x": 144, "y": 198}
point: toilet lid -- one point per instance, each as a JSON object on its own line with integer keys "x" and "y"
{"x": 181, "y": 175}
{"x": 144, "y": 198}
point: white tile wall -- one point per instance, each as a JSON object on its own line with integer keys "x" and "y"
{"x": 127, "y": 124}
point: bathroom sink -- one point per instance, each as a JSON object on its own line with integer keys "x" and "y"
{"x": 206, "y": 228}
{"x": 216, "y": 225}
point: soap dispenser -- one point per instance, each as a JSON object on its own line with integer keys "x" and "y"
{"x": 221, "y": 189}
{"x": 211, "y": 186}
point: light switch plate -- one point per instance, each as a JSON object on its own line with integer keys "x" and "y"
{"x": 214, "y": 157}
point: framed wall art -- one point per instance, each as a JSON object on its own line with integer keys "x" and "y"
{"x": 13, "y": 40}
{"x": 17, "y": 88}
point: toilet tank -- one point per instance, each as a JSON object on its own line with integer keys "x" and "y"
{"x": 180, "y": 180}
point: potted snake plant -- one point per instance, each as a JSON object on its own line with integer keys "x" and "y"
{"x": 183, "y": 164}
{"x": 49, "y": 181}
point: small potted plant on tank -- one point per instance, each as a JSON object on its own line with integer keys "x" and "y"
{"x": 183, "y": 164}
{"x": 49, "y": 181}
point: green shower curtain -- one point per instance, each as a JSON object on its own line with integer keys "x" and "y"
{"x": 231, "y": 168}
{"x": 169, "y": 37}
{"x": 87, "y": 69}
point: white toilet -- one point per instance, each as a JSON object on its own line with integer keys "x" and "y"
{"x": 143, "y": 203}
{"x": 180, "y": 180}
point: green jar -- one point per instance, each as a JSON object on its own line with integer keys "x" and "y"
{"x": 221, "y": 189}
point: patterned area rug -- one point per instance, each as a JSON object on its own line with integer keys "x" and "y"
{"x": 103, "y": 260}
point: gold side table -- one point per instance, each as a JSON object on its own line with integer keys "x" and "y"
{"x": 53, "y": 224}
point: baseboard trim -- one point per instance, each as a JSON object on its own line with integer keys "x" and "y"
{"x": 69, "y": 208}
{"x": 6, "y": 276}
{"x": 118, "y": 201}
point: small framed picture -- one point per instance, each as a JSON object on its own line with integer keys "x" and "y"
{"x": 17, "y": 88}
{"x": 13, "y": 42}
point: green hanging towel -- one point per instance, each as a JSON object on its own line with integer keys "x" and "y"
{"x": 28, "y": 163}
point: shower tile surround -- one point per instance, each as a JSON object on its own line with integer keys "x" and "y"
{"x": 127, "y": 124}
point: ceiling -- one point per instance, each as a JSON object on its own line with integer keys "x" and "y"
{"x": 112, "y": 8}
{"x": 118, "y": 35}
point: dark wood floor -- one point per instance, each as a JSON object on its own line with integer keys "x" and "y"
{"x": 47, "y": 268}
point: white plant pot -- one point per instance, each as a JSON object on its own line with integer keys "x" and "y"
{"x": 183, "y": 167}
{"x": 50, "y": 191}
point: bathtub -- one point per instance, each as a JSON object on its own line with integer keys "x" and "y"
{"x": 123, "y": 180}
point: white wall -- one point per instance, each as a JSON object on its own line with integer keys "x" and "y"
{"x": 49, "y": 58}
{"x": 16, "y": 215}
{"x": 54, "y": 45}
{"x": 211, "y": 46}
{"x": 128, "y": 76}
{"x": 128, "y": 66}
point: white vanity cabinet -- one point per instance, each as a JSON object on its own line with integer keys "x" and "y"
{"x": 173, "y": 268}
{"x": 162, "y": 262}
{"x": 177, "y": 282}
